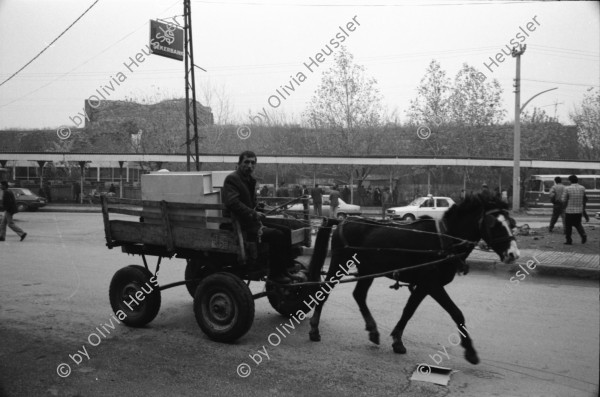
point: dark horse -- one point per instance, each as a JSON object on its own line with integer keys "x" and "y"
{"x": 381, "y": 247}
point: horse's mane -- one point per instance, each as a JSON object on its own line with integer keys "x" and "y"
{"x": 475, "y": 202}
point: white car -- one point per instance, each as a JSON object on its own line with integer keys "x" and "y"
{"x": 344, "y": 209}
{"x": 432, "y": 206}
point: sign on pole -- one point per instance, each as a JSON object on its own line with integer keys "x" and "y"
{"x": 166, "y": 39}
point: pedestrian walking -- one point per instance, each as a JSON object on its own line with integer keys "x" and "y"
{"x": 76, "y": 191}
{"x": 282, "y": 191}
{"x": 47, "y": 192}
{"x": 10, "y": 208}
{"x": 317, "y": 197}
{"x": 585, "y": 214}
{"x": 377, "y": 197}
{"x": 334, "y": 201}
{"x": 346, "y": 194}
{"x": 556, "y": 193}
{"x": 573, "y": 198}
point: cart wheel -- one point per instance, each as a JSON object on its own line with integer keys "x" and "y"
{"x": 123, "y": 288}
{"x": 224, "y": 307}
{"x": 287, "y": 301}
{"x": 198, "y": 268}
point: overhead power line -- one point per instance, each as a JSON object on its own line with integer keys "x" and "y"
{"x": 49, "y": 45}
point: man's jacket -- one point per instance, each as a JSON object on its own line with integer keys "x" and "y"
{"x": 239, "y": 197}
{"x": 9, "y": 203}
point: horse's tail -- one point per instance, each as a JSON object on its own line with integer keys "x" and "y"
{"x": 320, "y": 251}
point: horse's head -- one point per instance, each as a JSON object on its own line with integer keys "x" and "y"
{"x": 483, "y": 216}
{"x": 496, "y": 229}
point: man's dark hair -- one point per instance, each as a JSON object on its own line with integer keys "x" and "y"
{"x": 316, "y": 185}
{"x": 246, "y": 153}
{"x": 573, "y": 178}
{"x": 4, "y": 183}
{"x": 558, "y": 179}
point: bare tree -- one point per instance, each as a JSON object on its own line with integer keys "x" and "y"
{"x": 587, "y": 118}
{"x": 345, "y": 102}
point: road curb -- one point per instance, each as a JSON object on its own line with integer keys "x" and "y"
{"x": 90, "y": 210}
{"x": 564, "y": 271}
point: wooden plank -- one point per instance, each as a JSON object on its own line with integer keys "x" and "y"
{"x": 218, "y": 219}
{"x": 166, "y": 226}
{"x": 205, "y": 239}
{"x": 106, "y": 220}
{"x": 159, "y": 221}
{"x": 116, "y": 200}
{"x": 124, "y": 211}
{"x": 183, "y": 237}
{"x": 126, "y": 231}
{"x": 174, "y": 217}
{"x": 156, "y": 204}
{"x": 151, "y": 214}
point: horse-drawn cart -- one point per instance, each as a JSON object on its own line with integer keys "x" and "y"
{"x": 221, "y": 262}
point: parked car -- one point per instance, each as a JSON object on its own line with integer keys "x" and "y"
{"x": 26, "y": 199}
{"x": 432, "y": 206}
{"x": 344, "y": 209}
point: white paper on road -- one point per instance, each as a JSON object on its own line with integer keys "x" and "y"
{"x": 432, "y": 374}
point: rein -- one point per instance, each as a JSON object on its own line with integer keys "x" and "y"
{"x": 441, "y": 233}
{"x": 441, "y": 228}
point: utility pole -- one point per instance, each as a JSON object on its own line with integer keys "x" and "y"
{"x": 516, "y": 199}
{"x": 190, "y": 85}
{"x": 556, "y": 103}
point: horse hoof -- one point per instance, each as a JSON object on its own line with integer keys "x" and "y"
{"x": 399, "y": 348}
{"x": 374, "y": 337}
{"x": 314, "y": 336}
{"x": 471, "y": 356}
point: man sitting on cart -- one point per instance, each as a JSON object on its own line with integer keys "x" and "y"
{"x": 239, "y": 197}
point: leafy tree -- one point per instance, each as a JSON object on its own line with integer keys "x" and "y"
{"x": 431, "y": 104}
{"x": 473, "y": 101}
{"x": 587, "y": 118}
{"x": 346, "y": 101}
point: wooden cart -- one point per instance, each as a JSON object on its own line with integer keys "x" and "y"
{"x": 219, "y": 260}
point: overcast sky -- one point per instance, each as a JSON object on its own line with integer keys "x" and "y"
{"x": 253, "y": 47}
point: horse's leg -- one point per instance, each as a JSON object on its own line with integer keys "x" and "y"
{"x": 442, "y": 297}
{"x": 415, "y": 299}
{"x": 360, "y": 296}
{"x": 314, "y": 334}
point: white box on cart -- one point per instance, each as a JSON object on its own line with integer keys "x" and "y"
{"x": 181, "y": 187}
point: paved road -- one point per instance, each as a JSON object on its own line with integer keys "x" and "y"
{"x": 539, "y": 338}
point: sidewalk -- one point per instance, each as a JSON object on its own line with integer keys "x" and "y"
{"x": 71, "y": 207}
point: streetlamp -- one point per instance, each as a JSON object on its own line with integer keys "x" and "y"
{"x": 516, "y": 201}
